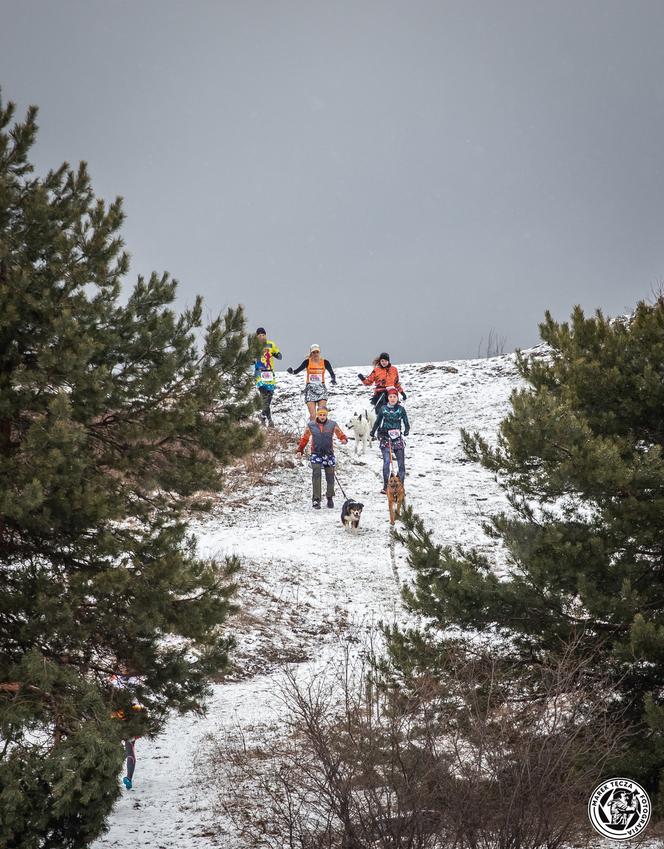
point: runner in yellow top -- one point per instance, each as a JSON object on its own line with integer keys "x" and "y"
{"x": 264, "y": 374}
{"x": 315, "y": 393}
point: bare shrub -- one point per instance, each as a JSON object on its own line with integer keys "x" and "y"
{"x": 495, "y": 345}
{"x": 257, "y": 467}
{"x": 467, "y": 764}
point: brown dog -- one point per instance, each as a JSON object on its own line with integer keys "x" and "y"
{"x": 395, "y": 496}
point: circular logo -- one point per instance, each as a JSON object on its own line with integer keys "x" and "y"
{"x": 619, "y": 809}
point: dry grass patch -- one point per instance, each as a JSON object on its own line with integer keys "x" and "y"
{"x": 347, "y": 764}
{"x": 255, "y": 469}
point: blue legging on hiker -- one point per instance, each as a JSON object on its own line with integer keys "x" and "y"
{"x": 399, "y": 454}
{"x": 130, "y": 754}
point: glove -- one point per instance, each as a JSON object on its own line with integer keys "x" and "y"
{"x": 289, "y": 370}
{"x": 403, "y": 395}
{"x": 373, "y": 434}
{"x": 334, "y": 381}
{"x": 406, "y": 432}
{"x": 278, "y": 356}
{"x": 361, "y": 376}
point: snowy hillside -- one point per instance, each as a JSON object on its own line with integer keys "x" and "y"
{"x": 306, "y": 584}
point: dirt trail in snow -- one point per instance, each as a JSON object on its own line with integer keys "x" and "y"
{"x": 306, "y": 584}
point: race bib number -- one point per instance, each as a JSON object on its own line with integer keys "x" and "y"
{"x": 267, "y": 375}
{"x": 393, "y": 433}
{"x": 315, "y": 378}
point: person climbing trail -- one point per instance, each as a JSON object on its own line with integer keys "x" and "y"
{"x": 384, "y": 375}
{"x": 315, "y": 393}
{"x": 264, "y": 374}
{"x": 388, "y": 424}
{"x": 321, "y": 432}
{"x": 123, "y": 681}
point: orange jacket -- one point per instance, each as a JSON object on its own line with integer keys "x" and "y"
{"x": 383, "y": 378}
{"x": 306, "y": 436}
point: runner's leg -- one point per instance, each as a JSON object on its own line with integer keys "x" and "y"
{"x": 316, "y": 480}
{"x": 269, "y": 395}
{"x": 385, "y": 451}
{"x": 321, "y": 397}
{"x": 130, "y": 754}
{"x": 401, "y": 460}
{"x": 329, "y": 481}
{"x": 266, "y": 397}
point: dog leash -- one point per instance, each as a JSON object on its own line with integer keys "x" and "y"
{"x": 340, "y": 487}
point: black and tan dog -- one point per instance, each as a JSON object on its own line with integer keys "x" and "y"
{"x": 350, "y": 514}
{"x": 395, "y": 496}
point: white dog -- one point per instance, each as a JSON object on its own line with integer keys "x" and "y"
{"x": 361, "y": 426}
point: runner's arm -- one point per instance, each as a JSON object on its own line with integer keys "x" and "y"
{"x": 301, "y": 367}
{"x": 328, "y": 366}
{"x": 406, "y": 423}
{"x": 341, "y": 436}
{"x": 377, "y": 423}
{"x": 303, "y": 442}
{"x": 369, "y": 380}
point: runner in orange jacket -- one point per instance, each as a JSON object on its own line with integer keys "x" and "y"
{"x": 385, "y": 376}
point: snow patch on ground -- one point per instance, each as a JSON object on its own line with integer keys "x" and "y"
{"x": 307, "y": 586}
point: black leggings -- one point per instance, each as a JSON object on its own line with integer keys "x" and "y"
{"x": 379, "y": 400}
{"x": 266, "y": 395}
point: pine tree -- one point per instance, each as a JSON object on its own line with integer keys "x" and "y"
{"x": 114, "y": 416}
{"x": 580, "y": 456}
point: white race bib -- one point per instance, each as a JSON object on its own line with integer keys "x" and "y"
{"x": 394, "y": 434}
{"x": 267, "y": 375}
{"x": 315, "y": 378}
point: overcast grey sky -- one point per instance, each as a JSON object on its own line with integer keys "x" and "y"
{"x": 365, "y": 175}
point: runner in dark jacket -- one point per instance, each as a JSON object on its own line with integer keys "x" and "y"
{"x": 388, "y": 425}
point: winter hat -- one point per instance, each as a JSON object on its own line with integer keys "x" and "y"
{"x": 260, "y": 330}
{"x": 391, "y": 390}
{"x": 384, "y": 356}
{"x": 313, "y": 348}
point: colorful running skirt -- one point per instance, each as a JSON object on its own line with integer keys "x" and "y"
{"x": 315, "y": 392}
{"x": 323, "y": 460}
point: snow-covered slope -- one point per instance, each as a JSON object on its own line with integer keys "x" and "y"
{"x": 306, "y": 584}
